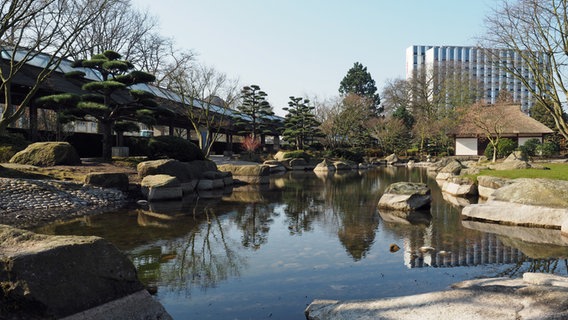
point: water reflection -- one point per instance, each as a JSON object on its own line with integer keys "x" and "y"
{"x": 314, "y": 230}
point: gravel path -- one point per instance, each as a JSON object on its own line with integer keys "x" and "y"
{"x": 27, "y": 202}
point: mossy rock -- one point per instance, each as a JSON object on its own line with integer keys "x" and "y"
{"x": 245, "y": 170}
{"x": 45, "y": 154}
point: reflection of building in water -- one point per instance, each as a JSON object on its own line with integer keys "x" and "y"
{"x": 484, "y": 249}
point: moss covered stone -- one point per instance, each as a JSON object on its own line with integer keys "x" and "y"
{"x": 47, "y": 154}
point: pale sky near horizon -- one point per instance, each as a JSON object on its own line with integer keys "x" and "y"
{"x": 305, "y": 47}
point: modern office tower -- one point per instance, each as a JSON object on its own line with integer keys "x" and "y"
{"x": 478, "y": 64}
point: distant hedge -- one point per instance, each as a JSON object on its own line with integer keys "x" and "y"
{"x": 172, "y": 147}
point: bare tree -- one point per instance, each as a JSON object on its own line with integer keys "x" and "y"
{"x": 126, "y": 30}
{"x": 535, "y": 32}
{"x": 207, "y": 95}
{"x": 30, "y": 28}
{"x": 327, "y": 111}
{"x": 431, "y": 96}
{"x": 490, "y": 119}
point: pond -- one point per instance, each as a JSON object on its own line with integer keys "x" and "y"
{"x": 267, "y": 252}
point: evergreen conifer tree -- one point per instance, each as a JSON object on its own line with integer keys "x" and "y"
{"x": 300, "y": 125}
{"x": 257, "y": 109}
{"x": 111, "y": 100}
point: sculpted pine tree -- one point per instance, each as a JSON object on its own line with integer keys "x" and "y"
{"x": 359, "y": 81}
{"x": 255, "y": 106}
{"x": 111, "y": 101}
{"x": 300, "y": 124}
{"x": 30, "y": 30}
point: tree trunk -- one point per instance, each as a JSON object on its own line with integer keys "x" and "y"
{"x": 120, "y": 139}
{"x": 33, "y": 124}
{"x": 107, "y": 136}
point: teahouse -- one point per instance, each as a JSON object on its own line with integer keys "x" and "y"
{"x": 470, "y": 135}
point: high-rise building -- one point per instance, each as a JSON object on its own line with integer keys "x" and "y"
{"x": 481, "y": 66}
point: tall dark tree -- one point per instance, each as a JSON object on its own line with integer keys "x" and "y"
{"x": 300, "y": 124}
{"x": 255, "y": 106}
{"x": 359, "y": 81}
{"x": 111, "y": 101}
{"x": 402, "y": 113}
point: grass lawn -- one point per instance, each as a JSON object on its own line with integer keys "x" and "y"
{"x": 558, "y": 171}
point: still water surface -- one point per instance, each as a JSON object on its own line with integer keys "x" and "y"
{"x": 266, "y": 253}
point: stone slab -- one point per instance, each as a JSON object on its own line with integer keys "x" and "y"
{"x": 139, "y": 305}
{"x": 536, "y": 296}
{"x": 517, "y": 214}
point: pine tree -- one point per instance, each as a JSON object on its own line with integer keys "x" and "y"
{"x": 300, "y": 124}
{"x": 257, "y": 109}
{"x": 359, "y": 81}
{"x": 111, "y": 101}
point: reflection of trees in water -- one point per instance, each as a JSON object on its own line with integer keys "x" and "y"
{"x": 556, "y": 265}
{"x": 353, "y": 198}
{"x": 303, "y": 206}
{"x": 254, "y": 221}
{"x": 202, "y": 258}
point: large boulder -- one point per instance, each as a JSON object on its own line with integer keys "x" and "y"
{"x": 214, "y": 180}
{"x": 392, "y": 159}
{"x": 451, "y": 169}
{"x": 252, "y": 174}
{"x": 526, "y": 202}
{"x": 486, "y": 185}
{"x": 49, "y": 277}
{"x": 188, "y": 173}
{"x": 343, "y": 165}
{"x": 47, "y": 154}
{"x": 161, "y": 187}
{"x": 406, "y": 196}
{"x": 275, "y": 166}
{"x": 298, "y": 164}
{"x": 516, "y": 156}
{"x": 511, "y": 165}
{"x": 325, "y": 166}
{"x": 460, "y": 187}
{"x": 535, "y": 192}
{"x": 107, "y": 180}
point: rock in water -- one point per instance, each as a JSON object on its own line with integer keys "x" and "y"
{"x": 406, "y": 196}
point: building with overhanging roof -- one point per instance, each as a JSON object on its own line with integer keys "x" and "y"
{"x": 511, "y": 122}
{"x": 175, "y": 103}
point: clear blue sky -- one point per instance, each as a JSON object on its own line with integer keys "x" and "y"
{"x": 305, "y": 47}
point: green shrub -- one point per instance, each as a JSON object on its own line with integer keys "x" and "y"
{"x": 412, "y": 152}
{"x": 174, "y": 148}
{"x": 137, "y": 146}
{"x": 504, "y": 148}
{"x": 296, "y": 154}
{"x": 529, "y": 147}
{"x": 546, "y": 149}
{"x": 374, "y": 152}
{"x": 353, "y": 154}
